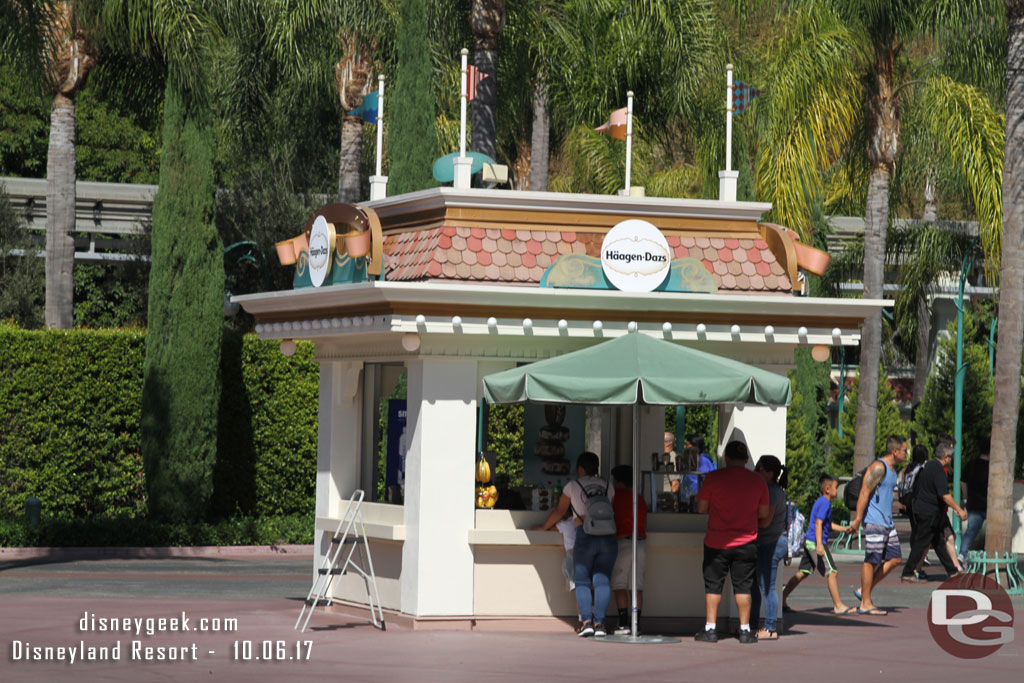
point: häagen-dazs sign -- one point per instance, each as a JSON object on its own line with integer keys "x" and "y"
{"x": 321, "y": 250}
{"x": 635, "y": 256}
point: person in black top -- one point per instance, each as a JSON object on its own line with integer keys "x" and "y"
{"x": 976, "y": 485}
{"x": 932, "y": 490}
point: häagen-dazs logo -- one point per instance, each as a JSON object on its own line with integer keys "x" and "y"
{"x": 970, "y": 616}
{"x": 635, "y": 256}
{"x": 321, "y": 247}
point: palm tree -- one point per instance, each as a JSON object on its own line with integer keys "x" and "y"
{"x": 363, "y": 31}
{"x": 1011, "y": 297}
{"x": 487, "y": 21}
{"x": 57, "y": 39}
{"x": 843, "y": 82}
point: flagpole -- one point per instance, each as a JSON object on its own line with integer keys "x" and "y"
{"x": 629, "y": 137}
{"x": 379, "y": 182}
{"x": 380, "y": 121}
{"x": 728, "y": 117}
{"x": 462, "y": 106}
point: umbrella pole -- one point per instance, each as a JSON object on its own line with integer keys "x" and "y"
{"x": 636, "y": 478}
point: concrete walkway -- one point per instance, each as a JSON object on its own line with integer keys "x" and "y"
{"x": 44, "y": 601}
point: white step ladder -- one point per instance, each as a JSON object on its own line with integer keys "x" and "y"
{"x": 355, "y": 539}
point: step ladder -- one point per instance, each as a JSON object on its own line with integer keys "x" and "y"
{"x": 350, "y": 535}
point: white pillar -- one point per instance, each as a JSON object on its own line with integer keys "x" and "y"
{"x": 338, "y": 441}
{"x": 763, "y": 429}
{"x": 437, "y": 560}
{"x": 727, "y": 179}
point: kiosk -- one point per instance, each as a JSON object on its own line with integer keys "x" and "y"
{"x": 460, "y": 284}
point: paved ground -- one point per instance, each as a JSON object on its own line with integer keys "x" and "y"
{"x": 43, "y": 601}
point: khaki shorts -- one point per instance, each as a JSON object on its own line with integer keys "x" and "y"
{"x": 621, "y": 579}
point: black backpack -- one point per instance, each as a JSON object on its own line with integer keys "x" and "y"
{"x": 852, "y": 491}
{"x": 908, "y": 487}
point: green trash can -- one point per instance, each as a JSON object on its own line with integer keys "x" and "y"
{"x": 33, "y": 510}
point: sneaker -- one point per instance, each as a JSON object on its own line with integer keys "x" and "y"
{"x": 600, "y": 631}
{"x": 707, "y": 636}
{"x": 911, "y": 578}
{"x": 623, "y": 630}
{"x": 747, "y": 637}
{"x": 921, "y": 575}
{"x": 585, "y": 630}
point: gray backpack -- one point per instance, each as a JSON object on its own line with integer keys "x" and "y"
{"x": 598, "y": 513}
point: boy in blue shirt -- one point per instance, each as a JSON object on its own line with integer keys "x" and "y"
{"x": 816, "y": 554}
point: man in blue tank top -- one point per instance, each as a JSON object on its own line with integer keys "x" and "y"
{"x": 874, "y": 507}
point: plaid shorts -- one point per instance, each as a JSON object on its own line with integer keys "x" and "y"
{"x": 881, "y": 544}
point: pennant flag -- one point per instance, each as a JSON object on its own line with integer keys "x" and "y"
{"x": 473, "y": 78}
{"x": 742, "y": 96}
{"x": 367, "y": 109}
{"x": 615, "y": 126}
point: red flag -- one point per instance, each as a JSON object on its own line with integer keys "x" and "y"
{"x": 473, "y": 78}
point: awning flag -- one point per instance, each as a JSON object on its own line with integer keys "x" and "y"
{"x": 615, "y": 126}
{"x": 473, "y": 78}
{"x": 367, "y": 109}
{"x": 742, "y": 96}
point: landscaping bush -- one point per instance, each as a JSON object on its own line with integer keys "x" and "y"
{"x": 127, "y": 532}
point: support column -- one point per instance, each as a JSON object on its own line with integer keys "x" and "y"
{"x": 437, "y": 560}
{"x": 338, "y": 441}
{"x": 763, "y": 429}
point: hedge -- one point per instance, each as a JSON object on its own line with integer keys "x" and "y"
{"x": 70, "y": 405}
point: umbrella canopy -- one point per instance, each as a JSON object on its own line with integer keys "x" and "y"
{"x": 636, "y": 368}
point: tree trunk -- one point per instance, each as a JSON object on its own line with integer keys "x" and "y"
{"x": 487, "y": 20}
{"x": 350, "y": 159}
{"x": 1006, "y": 396}
{"x": 60, "y": 215}
{"x": 883, "y": 145}
{"x": 539, "y": 150}
{"x": 922, "y": 362}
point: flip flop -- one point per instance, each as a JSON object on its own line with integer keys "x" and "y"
{"x": 768, "y": 635}
{"x": 848, "y": 610}
{"x": 874, "y": 611}
{"x": 856, "y": 593}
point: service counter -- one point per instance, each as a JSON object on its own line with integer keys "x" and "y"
{"x": 517, "y": 571}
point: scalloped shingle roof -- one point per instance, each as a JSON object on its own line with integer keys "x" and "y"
{"x": 509, "y": 256}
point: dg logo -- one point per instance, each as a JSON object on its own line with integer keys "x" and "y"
{"x": 970, "y": 616}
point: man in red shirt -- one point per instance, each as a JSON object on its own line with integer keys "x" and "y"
{"x": 736, "y": 502}
{"x": 622, "y": 573}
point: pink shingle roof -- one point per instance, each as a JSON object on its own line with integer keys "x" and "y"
{"x": 521, "y": 256}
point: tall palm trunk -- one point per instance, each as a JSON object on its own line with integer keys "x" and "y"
{"x": 1006, "y": 396}
{"x": 487, "y": 20}
{"x": 350, "y": 159}
{"x": 539, "y": 138}
{"x": 883, "y": 146}
{"x": 60, "y": 214}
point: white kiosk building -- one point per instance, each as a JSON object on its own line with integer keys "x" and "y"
{"x": 472, "y": 282}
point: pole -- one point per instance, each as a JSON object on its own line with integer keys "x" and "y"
{"x": 629, "y": 136}
{"x": 958, "y": 400}
{"x": 462, "y": 106}
{"x": 380, "y": 122}
{"x": 636, "y": 531}
{"x": 728, "y": 117}
{"x": 842, "y": 387}
{"x": 992, "y": 347}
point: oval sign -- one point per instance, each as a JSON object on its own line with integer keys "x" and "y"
{"x": 635, "y": 256}
{"x": 321, "y": 249}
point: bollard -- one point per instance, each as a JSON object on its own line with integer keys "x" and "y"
{"x": 33, "y": 510}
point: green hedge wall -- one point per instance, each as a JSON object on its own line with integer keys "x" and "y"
{"x": 70, "y": 406}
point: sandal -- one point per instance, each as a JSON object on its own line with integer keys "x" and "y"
{"x": 764, "y": 634}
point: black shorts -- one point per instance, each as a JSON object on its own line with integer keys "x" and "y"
{"x": 811, "y": 560}
{"x": 739, "y": 563}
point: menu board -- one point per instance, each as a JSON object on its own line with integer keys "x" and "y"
{"x": 553, "y": 438}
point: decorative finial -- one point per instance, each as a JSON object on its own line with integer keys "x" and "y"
{"x": 464, "y": 51}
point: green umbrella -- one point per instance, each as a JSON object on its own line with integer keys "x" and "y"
{"x": 631, "y": 370}
{"x": 636, "y": 368}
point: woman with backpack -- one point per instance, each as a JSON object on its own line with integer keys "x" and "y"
{"x": 589, "y": 498}
{"x": 772, "y": 547}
